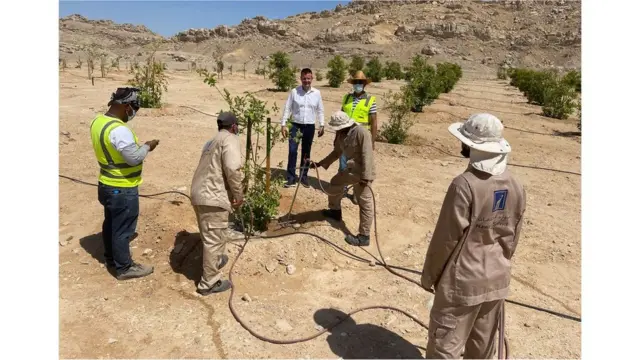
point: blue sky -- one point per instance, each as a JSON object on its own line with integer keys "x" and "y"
{"x": 169, "y": 17}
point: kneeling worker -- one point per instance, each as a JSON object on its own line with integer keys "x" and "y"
{"x": 216, "y": 189}
{"x": 469, "y": 257}
{"x": 355, "y": 142}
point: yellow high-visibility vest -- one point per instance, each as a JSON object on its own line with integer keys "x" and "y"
{"x": 359, "y": 113}
{"x": 114, "y": 170}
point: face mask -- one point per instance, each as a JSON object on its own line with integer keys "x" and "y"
{"x": 130, "y": 117}
{"x": 358, "y": 88}
{"x": 466, "y": 151}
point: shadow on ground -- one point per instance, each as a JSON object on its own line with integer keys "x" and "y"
{"x": 186, "y": 256}
{"x": 350, "y": 340}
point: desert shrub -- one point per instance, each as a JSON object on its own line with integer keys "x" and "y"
{"x": 282, "y": 75}
{"x": 574, "y": 79}
{"x": 559, "y": 100}
{"x": 447, "y": 75}
{"x": 356, "y": 64}
{"x": 423, "y": 86}
{"x": 319, "y": 75}
{"x": 104, "y": 67}
{"x": 63, "y": 64}
{"x": 393, "y": 71}
{"x": 79, "y": 63}
{"x": 115, "y": 63}
{"x": 220, "y": 68}
{"x": 399, "y": 104}
{"x": 337, "y": 71}
{"x": 374, "y": 70}
{"x": 151, "y": 80}
{"x": 261, "y": 203}
{"x": 579, "y": 124}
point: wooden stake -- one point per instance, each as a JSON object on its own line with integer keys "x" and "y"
{"x": 268, "y": 181}
{"x": 247, "y": 154}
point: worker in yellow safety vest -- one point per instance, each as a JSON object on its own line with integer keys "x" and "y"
{"x": 120, "y": 158}
{"x": 361, "y": 107}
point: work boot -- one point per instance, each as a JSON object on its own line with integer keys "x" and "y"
{"x": 333, "y": 214}
{"x": 220, "y": 286}
{"x": 135, "y": 271}
{"x": 360, "y": 240}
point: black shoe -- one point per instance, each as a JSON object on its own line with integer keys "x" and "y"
{"x": 290, "y": 184}
{"x": 133, "y": 237}
{"x": 360, "y": 240}
{"x": 333, "y": 214}
{"x": 220, "y": 286}
{"x": 305, "y": 182}
{"x": 224, "y": 259}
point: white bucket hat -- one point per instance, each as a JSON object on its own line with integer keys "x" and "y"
{"x": 482, "y": 132}
{"x": 340, "y": 120}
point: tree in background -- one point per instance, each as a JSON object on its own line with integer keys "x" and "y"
{"x": 337, "y": 71}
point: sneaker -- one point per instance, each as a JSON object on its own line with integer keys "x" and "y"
{"x": 290, "y": 184}
{"x": 135, "y": 271}
{"x": 360, "y": 240}
{"x": 220, "y": 286}
{"x": 333, "y": 214}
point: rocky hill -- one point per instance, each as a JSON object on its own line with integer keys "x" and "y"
{"x": 527, "y": 33}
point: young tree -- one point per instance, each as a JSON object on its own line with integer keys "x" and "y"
{"x": 374, "y": 70}
{"x": 399, "y": 104}
{"x": 337, "y": 71}
{"x": 423, "y": 85}
{"x": 319, "y": 75}
{"x": 393, "y": 71}
{"x": 357, "y": 64}
{"x": 282, "y": 74}
{"x": 151, "y": 80}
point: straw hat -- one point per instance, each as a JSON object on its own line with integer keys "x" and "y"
{"x": 340, "y": 120}
{"x": 482, "y": 132}
{"x": 359, "y": 76}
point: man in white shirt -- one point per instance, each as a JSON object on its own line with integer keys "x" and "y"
{"x": 304, "y": 106}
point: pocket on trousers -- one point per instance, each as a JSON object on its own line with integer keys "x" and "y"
{"x": 444, "y": 325}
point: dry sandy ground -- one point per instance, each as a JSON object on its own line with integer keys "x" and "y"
{"x": 161, "y": 316}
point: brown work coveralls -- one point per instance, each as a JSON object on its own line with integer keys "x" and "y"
{"x": 469, "y": 263}
{"x": 216, "y": 181}
{"x": 356, "y": 146}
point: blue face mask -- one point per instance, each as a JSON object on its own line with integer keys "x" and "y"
{"x": 358, "y": 88}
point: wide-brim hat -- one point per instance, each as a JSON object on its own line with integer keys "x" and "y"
{"x": 359, "y": 76}
{"x": 482, "y": 132}
{"x": 340, "y": 120}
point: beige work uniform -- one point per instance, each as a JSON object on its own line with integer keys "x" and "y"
{"x": 216, "y": 181}
{"x": 356, "y": 146}
{"x": 469, "y": 263}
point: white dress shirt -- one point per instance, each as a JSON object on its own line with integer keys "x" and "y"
{"x": 305, "y": 107}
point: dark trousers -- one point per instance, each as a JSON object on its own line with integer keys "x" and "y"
{"x": 121, "y": 209}
{"x": 307, "y": 132}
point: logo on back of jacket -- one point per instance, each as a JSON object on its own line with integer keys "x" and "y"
{"x": 499, "y": 200}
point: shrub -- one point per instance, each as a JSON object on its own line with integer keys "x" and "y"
{"x": 104, "y": 68}
{"x": 393, "y": 71}
{"x": 559, "y": 100}
{"x": 337, "y": 71}
{"x": 374, "y": 70}
{"x": 319, "y": 76}
{"x": 574, "y": 79}
{"x": 262, "y": 203}
{"x": 423, "y": 86}
{"x": 220, "y": 68}
{"x": 151, "y": 80}
{"x": 357, "y": 64}
{"x": 282, "y": 75}
{"x": 448, "y": 75}
{"x": 579, "y": 117}
{"x": 399, "y": 104}
{"x": 63, "y": 64}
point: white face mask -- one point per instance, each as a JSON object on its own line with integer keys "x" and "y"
{"x": 130, "y": 117}
{"x": 358, "y": 88}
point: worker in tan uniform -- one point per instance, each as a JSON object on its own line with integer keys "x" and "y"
{"x": 216, "y": 190}
{"x": 469, "y": 258}
{"x": 355, "y": 142}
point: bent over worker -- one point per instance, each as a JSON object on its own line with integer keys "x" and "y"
{"x": 120, "y": 157}
{"x": 216, "y": 189}
{"x": 354, "y": 141}
{"x": 469, "y": 258}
